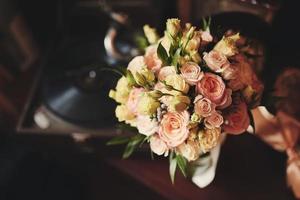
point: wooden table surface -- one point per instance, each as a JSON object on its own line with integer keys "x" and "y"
{"x": 247, "y": 169}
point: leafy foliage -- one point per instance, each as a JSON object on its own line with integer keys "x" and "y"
{"x": 174, "y": 161}
{"x": 162, "y": 54}
{"x": 133, "y": 143}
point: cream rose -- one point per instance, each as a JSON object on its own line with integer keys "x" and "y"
{"x": 216, "y": 61}
{"x": 191, "y": 72}
{"x": 146, "y": 125}
{"x": 236, "y": 118}
{"x": 190, "y": 150}
{"x": 215, "y": 120}
{"x": 123, "y": 114}
{"x": 165, "y": 72}
{"x": 147, "y": 105}
{"x": 227, "y": 45}
{"x": 136, "y": 64}
{"x": 209, "y": 138}
{"x": 203, "y": 106}
{"x": 151, "y": 34}
{"x": 173, "y": 128}
{"x": 212, "y": 87}
{"x": 158, "y": 146}
{"x": 133, "y": 99}
{"x": 122, "y": 91}
{"x": 173, "y": 26}
{"x": 151, "y": 59}
{"x": 177, "y": 82}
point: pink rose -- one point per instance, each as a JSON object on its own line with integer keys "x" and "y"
{"x": 215, "y": 120}
{"x": 166, "y": 71}
{"x": 203, "y": 106}
{"x": 206, "y": 36}
{"x": 151, "y": 59}
{"x": 191, "y": 72}
{"x": 212, "y": 87}
{"x": 157, "y": 145}
{"x": 133, "y": 99}
{"x": 174, "y": 128}
{"x": 216, "y": 61}
{"x": 136, "y": 64}
{"x": 226, "y": 100}
{"x": 146, "y": 125}
{"x": 236, "y": 118}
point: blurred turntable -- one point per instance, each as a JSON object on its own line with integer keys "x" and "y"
{"x": 70, "y": 95}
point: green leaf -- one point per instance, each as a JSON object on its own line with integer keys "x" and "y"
{"x": 252, "y": 123}
{"x": 126, "y": 127}
{"x": 206, "y": 24}
{"x": 182, "y": 164}
{"x": 128, "y": 150}
{"x": 172, "y": 166}
{"x": 118, "y": 140}
{"x": 175, "y": 58}
{"x": 130, "y": 78}
{"x": 162, "y": 54}
{"x": 172, "y": 49}
{"x": 141, "y": 42}
{"x": 152, "y": 156}
{"x": 132, "y": 145}
{"x": 116, "y": 70}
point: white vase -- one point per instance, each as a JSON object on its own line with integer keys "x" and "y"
{"x": 203, "y": 170}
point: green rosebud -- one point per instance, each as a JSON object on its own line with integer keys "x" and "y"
{"x": 148, "y": 75}
{"x": 195, "y": 56}
{"x": 180, "y": 103}
{"x": 140, "y": 79}
{"x": 190, "y": 33}
{"x": 195, "y": 118}
{"x": 156, "y": 94}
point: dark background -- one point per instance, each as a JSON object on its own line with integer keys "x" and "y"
{"x": 51, "y": 167}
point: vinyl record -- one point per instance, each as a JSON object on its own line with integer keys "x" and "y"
{"x": 75, "y": 89}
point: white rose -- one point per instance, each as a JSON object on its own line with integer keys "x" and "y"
{"x": 146, "y": 125}
{"x": 158, "y": 146}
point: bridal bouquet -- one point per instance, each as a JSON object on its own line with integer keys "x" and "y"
{"x": 184, "y": 92}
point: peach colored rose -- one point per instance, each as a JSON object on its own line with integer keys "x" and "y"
{"x": 146, "y": 125}
{"x": 226, "y": 100}
{"x": 191, "y": 72}
{"x": 216, "y": 61}
{"x": 203, "y": 106}
{"x": 173, "y": 128}
{"x": 215, "y": 120}
{"x": 157, "y": 145}
{"x": 136, "y": 64}
{"x": 190, "y": 150}
{"x": 133, "y": 99}
{"x": 209, "y": 138}
{"x": 236, "y": 118}
{"x": 206, "y": 36}
{"x": 166, "y": 71}
{"x": 151, "y": 59}
{"x": 212, "y": 87}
